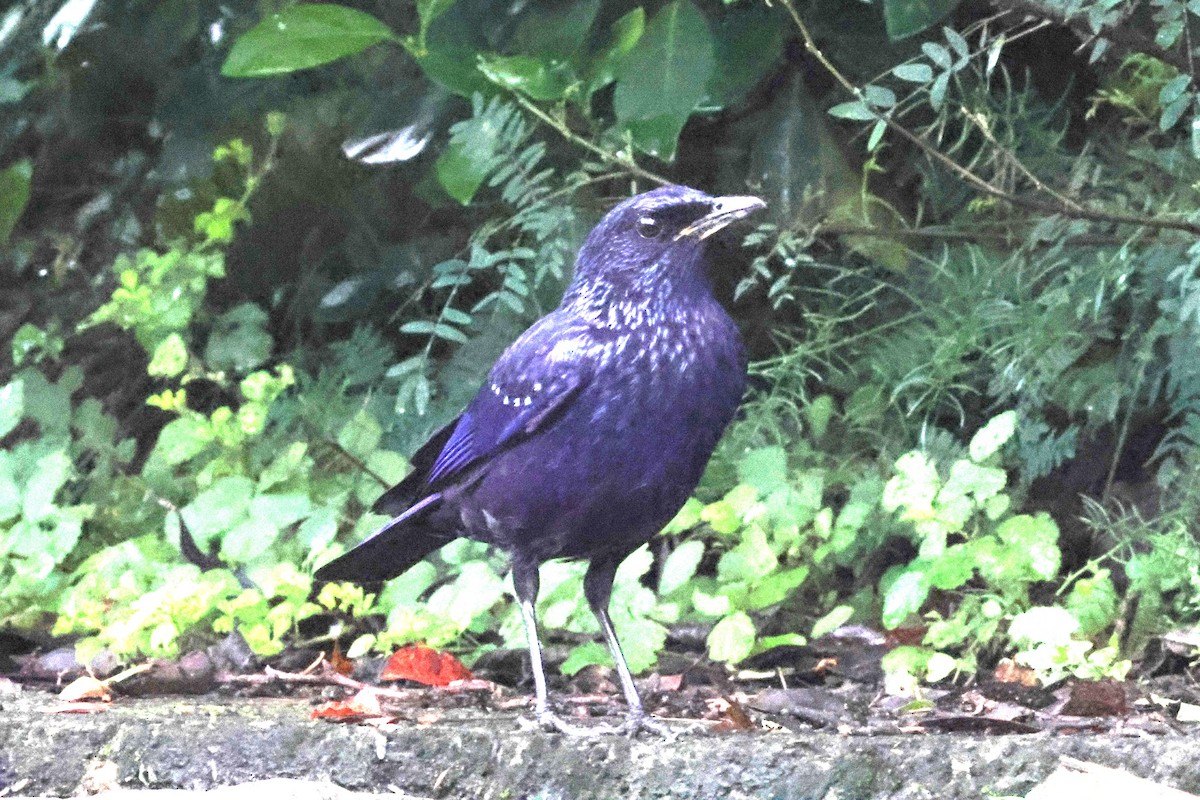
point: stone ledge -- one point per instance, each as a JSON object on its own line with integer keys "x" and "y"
{"x": 204, "y": 743}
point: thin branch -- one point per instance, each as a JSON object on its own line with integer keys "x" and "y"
{"x": 969, "y": 177}
{"x": 624, "y": 162}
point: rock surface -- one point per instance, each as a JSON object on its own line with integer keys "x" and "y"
{"x": 203, "y": 743}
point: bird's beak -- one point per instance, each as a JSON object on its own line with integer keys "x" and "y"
{"x": 724, "y": 211}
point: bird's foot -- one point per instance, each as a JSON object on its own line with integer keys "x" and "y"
{"x": 546, "y": 720}
{"x": 637, "y": 722}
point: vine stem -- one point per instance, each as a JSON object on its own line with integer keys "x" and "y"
{"x": 1071, "y": 211}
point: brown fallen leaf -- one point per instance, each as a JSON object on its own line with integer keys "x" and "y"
{"x": 1008, "y": 671}
{"x": 339, "y": 662}
{"x": 86, "y": 688}
{"x": 733, "y": 716}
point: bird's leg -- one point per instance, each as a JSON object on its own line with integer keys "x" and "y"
{"x": 597, "y": 587}
{"x": 525, "y": 582}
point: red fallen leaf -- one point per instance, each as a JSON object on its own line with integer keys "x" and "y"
{"x": 1008, "y": 671}
{"x": 424, "y": 665}
{"x": 339, "y": 662}
{"x": 364, "y": 705}
{"x": 85, "y": 688}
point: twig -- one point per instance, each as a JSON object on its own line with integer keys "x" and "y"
{"x": 624, "y": 162}
{"x": 979, "y": 183}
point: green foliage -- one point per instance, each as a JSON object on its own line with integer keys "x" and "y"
{"x": 305, "y": 320}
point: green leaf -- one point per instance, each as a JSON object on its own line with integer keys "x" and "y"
{"x": 905, "y": 596}
{"x": 904, "y": 18}
{"x": 304, "y": 36}
{"x": 217, "y": 510}
{"x": 1173, "y": 111}
{"x": 428, "y": 11}
{"x": 855, "y": 110}
{"x": 775, "y": 587}
{"x": 626, "y": 32}
{"x": 764, "y": 468}
{"x": 835, "y": 619}
{"x": 938, "y": 54}
{"x": 1174, "y": 89}
{"x": 182, "y": 439}
{"x": 1043, "y": 625}
{"x": 14, "y": 196}
{"x": 585, "y": 655}
{"x": 535, "y": 77}
{"x": 248, "y": 540}
{"x": 47, "y": 477}
{"x": 170, "y": 357}
{"x": 879, "y": 96}
{"x": 749, "y": 43}
{"x": 992, "y": 436}
{"x": 554, "y": 30}
{"x": 914, "y": 73}
{"x": 732, "y": 639}
{"x": 239, "y": 341}
{"x": 659, "y": 136}
{"x": 680, "y": 566}
{"x": 750, "y": 560}
{"x": 1035, "y": 537}
{"x": 665, "y": 76}
{"x": 12, "y": 406}
{"x": 361, "y": 435}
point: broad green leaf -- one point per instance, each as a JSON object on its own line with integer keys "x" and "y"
{"x": 938, "y": 54}
{"x": 217, "y": 510}
{"x": 536, "y": 77}
{"x": 170, "y": 357}
{"x": 319, "y": 530}
{"x": 48, "y": 476}
{"x": 428, "y": 11}
{"x": 967, "y": 477}
{"x": 626, "y": 32}
{"x": 585, "y": 655}
{"x": 10, "y": 492}
{"x": 12, "y": 405}
{"x": 361, "y": 435}
{"x": 749, "y": 43}
{"x": 284, "y": 466}
{"x": 554, "y": 30}
{"x": 775, "y": 587}
{"x": 879, "y": 96}
{"x": 680, "y": 566}
{"x": 658, "y": 136}
{"x": 819, "y": 413}
{"x": 665, "y": 76}
{"x": 904, "y": 18}
{"x": 913, "y": 487}
{"x": 835, "y": 619}
{"x": 750, "y": 560}
{"x": 474, "y": 592}
{"x": 281, "y": 509}
{"x": 182, "y": 439}
{"x": 248, "y": 540}
{"x": 304, "y": 36}
{"x": 764, "y": 468}
{"x": 1043, "y": 625}
{"x": 1035, "y": 537}
{"x": 14, "y": 196}
{"x": 732, "y": 639}
{"x": 905, "y": 596}
{"x": 239, "y": 341}
{"x": 992, "y": 436}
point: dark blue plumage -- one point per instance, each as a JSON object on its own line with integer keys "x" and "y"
{"x": 593, "y": 427}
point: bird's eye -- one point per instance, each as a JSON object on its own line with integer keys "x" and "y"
{"x": 648, "y": 227}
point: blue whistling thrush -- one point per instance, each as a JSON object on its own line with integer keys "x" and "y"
{"x": 594, "y": 426}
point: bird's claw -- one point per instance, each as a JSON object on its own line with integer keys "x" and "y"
{"x": 549, "y": 722}
{"x": 634, "y": 724}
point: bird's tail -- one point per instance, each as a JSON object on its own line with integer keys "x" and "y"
{"x": 391, "y": 550}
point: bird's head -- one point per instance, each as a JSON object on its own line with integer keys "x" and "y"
{"x": 653, "y": 243}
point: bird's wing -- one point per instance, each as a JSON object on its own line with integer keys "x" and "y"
{"x": 501, "y": 415}
{"x": 528, "y": 388}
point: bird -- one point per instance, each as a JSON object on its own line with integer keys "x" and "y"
{"x": 591, "y": 430}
